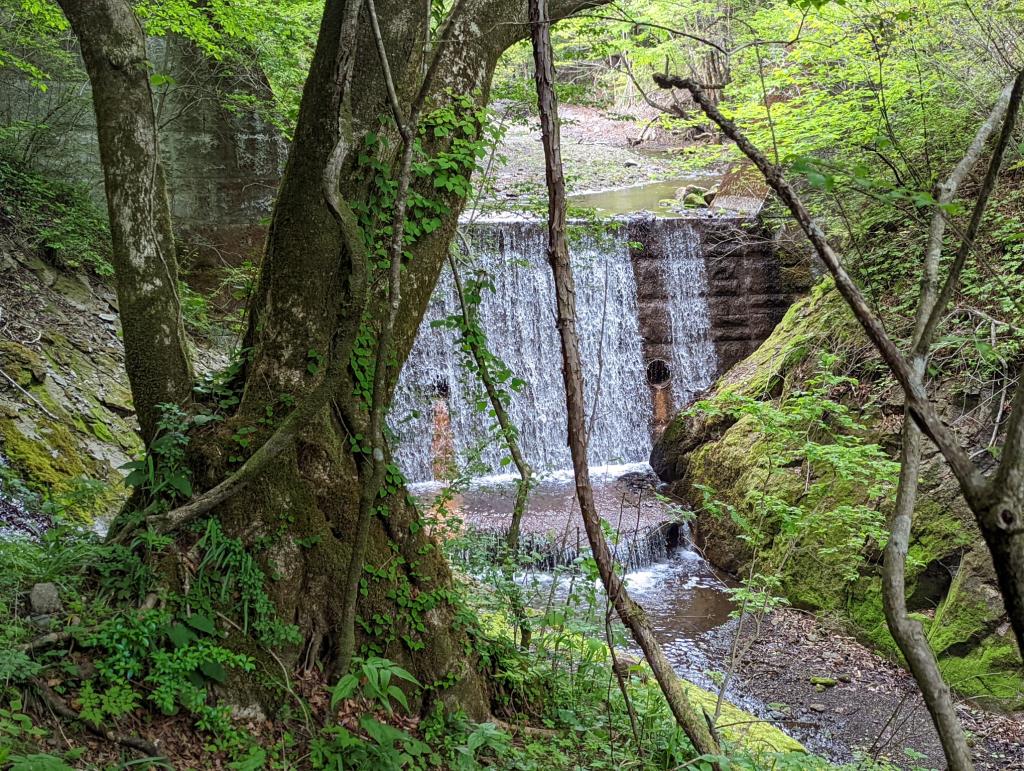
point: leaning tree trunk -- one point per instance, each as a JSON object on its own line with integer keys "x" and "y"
{"x": 146, "y": 273}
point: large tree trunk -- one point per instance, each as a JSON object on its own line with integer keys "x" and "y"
{"x": 303, "y": 303}
{"x": 114, "y": 49}
{"x": 297, "y": 514}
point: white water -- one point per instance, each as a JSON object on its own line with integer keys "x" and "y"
{"x": 694, "y": 363}
{"x": 519, "y": 319}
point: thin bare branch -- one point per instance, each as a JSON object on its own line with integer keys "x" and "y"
{"x": 694, "y": 724}
{"x": 906, "y": 631}
{"x": 988, "y": 185}
{"x": 970, "y": 478}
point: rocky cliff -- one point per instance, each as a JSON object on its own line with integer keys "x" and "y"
{"x": 66, "y": 416}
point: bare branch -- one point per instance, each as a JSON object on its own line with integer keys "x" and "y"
{"x": 693, "y": 723}
{"x": 988, "y": 185}
{"x": 906, "y": 631}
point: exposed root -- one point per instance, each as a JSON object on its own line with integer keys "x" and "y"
{"x": 528, "y": 730}
{"x": 57, "y": 705}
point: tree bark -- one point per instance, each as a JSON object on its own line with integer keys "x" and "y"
{"x": 308, "y": 299}
{"x": 145, "y": 267}
{"x": 693, "y": 723}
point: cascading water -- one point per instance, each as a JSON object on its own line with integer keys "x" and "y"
{"x": 518, "y": 317}
{"x": 694, "y": 364}
{"x": 440, "y": 407}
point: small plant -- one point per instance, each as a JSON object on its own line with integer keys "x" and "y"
{"x": 375, "y": 679}
{"x": 55, "y": 217}
{"x": 161, "y": 473}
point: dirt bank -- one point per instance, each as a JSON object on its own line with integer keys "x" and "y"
{"x": 874, "y": 707}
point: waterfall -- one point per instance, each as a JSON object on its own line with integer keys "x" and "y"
{"x": 440, "y": 408}
{"x": 693, "y": 360}
{"x": 539, "y": 551}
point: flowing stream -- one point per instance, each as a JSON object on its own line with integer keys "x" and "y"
{"x": 641, "y": 296}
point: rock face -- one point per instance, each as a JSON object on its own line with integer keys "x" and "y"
{"x": 951, "y": 585}
{"x": 67, "y": 416}
{"x": 223, "y": 167}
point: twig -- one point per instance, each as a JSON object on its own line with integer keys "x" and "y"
{"x": 35, "y": 401}
{"x": 61, "y": 709}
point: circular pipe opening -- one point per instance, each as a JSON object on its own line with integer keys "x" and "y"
{"x": 658, "y": 373}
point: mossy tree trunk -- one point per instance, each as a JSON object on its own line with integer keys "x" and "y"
{"x": 114, "y": 49}
{"x": 298, "y": 513}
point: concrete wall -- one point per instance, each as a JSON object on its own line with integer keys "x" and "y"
{"x": 223, "y": 167}
{"x": 750, "y": 283}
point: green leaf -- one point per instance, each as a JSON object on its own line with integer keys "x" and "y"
{"x": 202, "y": 622}
{"x": 180, "y": 635}
{"x": 214, "y": 670}
{"x": 180, "y": 483}
{"x": 396, "y": 693}
{"x": 38, "y": 763}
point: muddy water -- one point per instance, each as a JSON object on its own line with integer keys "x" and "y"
{"x": 688, "y": 604}
{"x": 639, "y": 198}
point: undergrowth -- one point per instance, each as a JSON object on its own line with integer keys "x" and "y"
{"x": 128, "y": 655}
{"x": 58, "y": 219}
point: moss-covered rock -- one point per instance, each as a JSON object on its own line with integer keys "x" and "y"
{"x": 68, "y": 420}
{"x": 950, "y": 582}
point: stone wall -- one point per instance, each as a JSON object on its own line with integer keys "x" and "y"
{"x": 223, "y": 166}
{"x": 750, "y": 285}
{"x": 742, "y": 287}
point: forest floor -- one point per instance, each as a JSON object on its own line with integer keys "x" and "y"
{"x": 874, "y": 708}
{"x": 600, "y": 150}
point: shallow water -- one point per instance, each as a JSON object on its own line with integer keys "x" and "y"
{"x": 682, "y": 593}
{"x": 639, "y": 198}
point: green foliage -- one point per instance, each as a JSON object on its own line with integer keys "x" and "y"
{"x": 228, "y": 575}
{"x": 821, "y": 487}
{"x": 56, "y": 218}
{"x": 373, "y": 680}
{"x": 161, "y": 473}
{"x": 452, "y": 140}
{"x": 250, "y": 39}
{"x": 31, "y": 37}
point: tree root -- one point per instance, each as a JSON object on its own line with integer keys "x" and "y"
{"x": 528, "y": 730}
